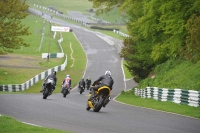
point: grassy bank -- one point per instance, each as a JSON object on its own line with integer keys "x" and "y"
{"x": 76, "y": 64}
{"x": 175, "y": 74}
{"x": 19, "y": 63}
{"x": 130, "y": 98}
{"x": 64, "y": 5}
{"x": 10, "y": 125}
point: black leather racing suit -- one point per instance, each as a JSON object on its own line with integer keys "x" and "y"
{"x": 104, "y": 80}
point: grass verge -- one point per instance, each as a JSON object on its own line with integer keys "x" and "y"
{"x": 130, "y": 98}
{"x": 10, "y": 125}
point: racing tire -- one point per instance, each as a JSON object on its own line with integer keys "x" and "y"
{"x": 46, "y": 93}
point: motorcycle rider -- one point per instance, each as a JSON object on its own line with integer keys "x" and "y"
{"x": 88, "y": 82}
{"x": 66, "y": 82}
{"x": 52, "y": 75}
{"x": 82, "y": 83}
{"x": 105, "y": 80}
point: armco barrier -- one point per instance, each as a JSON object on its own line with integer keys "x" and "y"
{"x": 77, "y": 20}
{"x": 179, "y": 96}
{"x": 32, "y": 81}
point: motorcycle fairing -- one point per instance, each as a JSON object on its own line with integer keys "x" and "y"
{"x": 104, "y": 89}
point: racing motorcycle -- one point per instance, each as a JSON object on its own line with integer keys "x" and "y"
{"x": 80, "y": 89}
{"x": 66, "y": 91}
{"x": 48, "y": 88}
{"x": 87, "y": 86}
{"x": 99, "y": 100}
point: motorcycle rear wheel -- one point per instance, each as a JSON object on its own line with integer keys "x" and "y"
{"x": 98, "y": 106}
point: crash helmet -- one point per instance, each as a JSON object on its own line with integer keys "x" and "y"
{"x": 67, "y": 76}
{"x": 108, "y": 73}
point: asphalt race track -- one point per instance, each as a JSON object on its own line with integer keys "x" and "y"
{"x": 70, "y": 113}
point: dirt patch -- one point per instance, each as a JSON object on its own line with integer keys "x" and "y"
{"x": 20, "y": 61}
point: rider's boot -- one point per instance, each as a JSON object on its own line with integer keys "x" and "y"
{"x": 92, "y": 96}
{"x": 52, "y": 91}
{"x": 42, "y": 89}
{"x": 107, "y": 101}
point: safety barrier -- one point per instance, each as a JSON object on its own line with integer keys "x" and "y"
{"x": 179, "y": 96}
{"x": 86, "y": 24}
{"x": 53, "y": 55}
{"x": 32, "y": 81}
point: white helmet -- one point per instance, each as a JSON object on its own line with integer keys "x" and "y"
{"x": 108, "y": 73}
{"x": 68, "y": 76}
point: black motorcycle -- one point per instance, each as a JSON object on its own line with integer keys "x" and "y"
{"x": 88, "y": 86}
{"x": 65, "y": 91}
{"x": 81, "y": 89}
{"x": 48, "y": 88}
{"x": 99, "y": 100}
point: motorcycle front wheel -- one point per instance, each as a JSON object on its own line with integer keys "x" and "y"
{"x": 64, "y": 93}
{"x": 46, "y": 93}
{"x": 88, "y": 107}
{"x": 81, "y": 91}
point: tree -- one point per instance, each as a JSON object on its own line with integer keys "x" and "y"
{"x": 158, "y": 31}
{"x": 11, "y": 28}
{"x": 104, "y": 6}
{"x": 192, "y": 46}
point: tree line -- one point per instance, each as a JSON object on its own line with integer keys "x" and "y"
{"x": 160, "y": 30}
{"x": 11, "y": 28}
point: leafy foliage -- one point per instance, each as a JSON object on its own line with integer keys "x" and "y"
{"x": 11, "y": 14}
{"x": 106, "y": 5}
{"x": 192, "y": 47}
{"x": 160, "y": 30}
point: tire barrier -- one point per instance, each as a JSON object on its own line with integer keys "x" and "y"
{"x": 179, "y": 96}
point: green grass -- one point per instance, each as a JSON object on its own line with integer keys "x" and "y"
{"x": 10, "y": 125}
{"x": 36, "y": 26}
{"x": 175, "y": 74}
{"x": 77, "y": 70}
{"x": 130, "y": 98}
{"x": 115, "y": 16}
{"x": 31, "y": 56}
{"x": 64, "y": 5}
{"x": 112, "y": 16}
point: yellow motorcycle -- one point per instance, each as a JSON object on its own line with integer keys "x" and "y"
{"x": 99, "y": 100}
